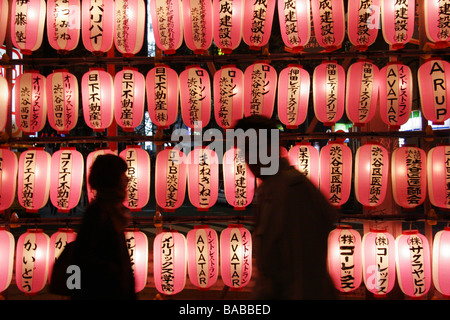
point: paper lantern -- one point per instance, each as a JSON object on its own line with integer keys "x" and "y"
{"x": 4, "y": 95}
{"x": 129, "y": 26}
{"x": 137, "y": 244}
{"x": 363, "y": 22}
{"x": 63, "y": 24}
{"x": 329, "y": 92}
{"x": 170, "y": 178}
{"x": 129, "y": 98}
{"x": 438, "y": 167}
{"x": 257, "y": 23}
{"x": 329, "y": 23}
{"x": 57, "y": 244}
{"x": 97, "y": 29}
{"x": 228, "y": 96}
{"x": 434, "y": 77}
{"x": 437, "y": 30}
{"x": 32, "y": 253}
{"x": 30, "y": 101}
{"x": 293, "y": 96}
{"x": 195, "y": 96}
{"x": 169, "y": 262}
{"x": 295, "y": 23}
{"x": 441, "y": 261}
{"x": 344, "y": 258}
{"x": 7, "y": 248}
{"x": 409, "y": 176}
{"x": 89, "y": 161}
{"x": 27, "y": 27}
{"x": 412, "y": 256}
{"x": 397, "y": 19}
{"x": 34, "y": 179}
{"x": 378, "y": 262}
{"x": 167, "y": 24}
{"x": 198, "y": 25}
{"x": 227, "y": 24}
{"x": 8, "y": 178}
{"x": 138, "y": 172}
{"x": 236, "y": 256}
{"x": 97, "y": 90}
{"x": 203, "y": 256}
{"x": 4, "y": 10}
{"x": 239, "y": 181}
{"x": 62, "y": 101}
{"x": 361, "y": 96}
{"x": 396, "y": 94}
{"x": 260, "y": 83}
{"x": 305, "y": 158}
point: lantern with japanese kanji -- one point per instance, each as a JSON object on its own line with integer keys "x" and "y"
{"x": 397, "y": 19}
{"x": 129, "y": 26}
{"x": 97, "y": 29}
{"x": 169, "y": 262}
{"x": 227, "y": 24}
{"x": 363, "y": 22}
{"x": 32, "y": 253}
{"x": 305, "y": 158}
{"x": 198, "y": 25}
{"x": 8, "y": 178}
{"x": 441, "y": 261}
{"x": 329, "y": 23}
{"x": 63, "y": 24}
{"x": 236, "y": 256}
{"x": 58, "y": 242}
{"x": 4, "y": 9}
{"x": 412, "y": 256}
{"x": 167, "y": 24}
{"x": 137, "y": 244}
{"x": 7, "y": 248}
{"x": 438, "y": 167}
{"x": 260, "y": 83}
{"x": 4, "y": 95}
{"x": 344, "y": 258}
{"x": 295, "y": 23}
{"x": 89, "y": 161}
{"x": 438, "y": 31}
{"x": 257, "y": 23}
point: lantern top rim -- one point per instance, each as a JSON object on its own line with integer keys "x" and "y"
{"x": 378, "y": 230}
{"x": 235, "y": 225}
{"x": 68, "y": 230}
{"x": 412, "y": 231}
{"x": 201, "y": 226}
{"x": 344, "y": 226}
{"x": 35, "y": 230}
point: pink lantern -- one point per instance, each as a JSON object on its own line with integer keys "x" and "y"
{"x": 198, "y": 25}
{"x": 329, "y": 92}
{"x": 396, "y": 94}
{"x": 138, "y": 172}
{"x": 195, "y": 96}
{"x": 336, "y": 172}
{"x": 4, "y": 10}
{"x": 129, "y": 26}
{"x": 30, "y": 101}
{"x": 329, "y": 23}
{"x": 363, "y": 22}
{"x": 295, "y": 23}
{"x": 97, "y": 28}
{"x": 8, "y": 178}
{"x": 227, "y": 24}
{"x": 27, "y": 27}
{"x": 58, "y": 242}
{"x": 63, "y": 24}
{"x": 32, "y": 254}
{"x": 434, "y": 77}
{"x": 257, "y": 23}
{"x": 236, "y": 256}
{"x": 409, "y": 176}
{"x": 260, "y": 81}
{"x": 62, "y": 100}
{"x": 129, "y": 100}
{"x": 397, "y": 18}
{"x": 7, "y": 247}
{"x": 97, "y": 90}
{"x": 344, "y": 258}
{"x": 228, "y": 96}
{"x": 89, "y": 161}
{"x": 361, "y": 92}
{"x": 137, "y": 244}
{"x": 34, "y": 179}
{"x": 4, "y": 95}
{"x": 441, "y": 260}
{"x": 293, "y": 96}
{"x": 305, "y": 158}
{"x": 378, "y": 262}
{"x": 169, "y": 262}
{"x": 438, "y": 166}
{"x": 436, "y": 12}
{"x": 170, "y": 178}
{"x": 413, "y": 263}
{"x": 203, "y": 256}
{"x": 167, "y": 24}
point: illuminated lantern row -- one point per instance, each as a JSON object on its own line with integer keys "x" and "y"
{"x": 57, "y": 244}
{"x": 129, "y": 26}
{"x": 227, "y": 24}
{"x": 329, "y": 23}
{"x": 397, "y": 18}
{"x": 441, "y": 260}
{"x": 197, "y": 19}
{"x": 7, "y": 249}
{"x": 137, "y": 245}
{"x": 257, "y": 23}
{"x": 4, "y": 94}
{"x": 438, "y": 167}
{"x": 435, "y": 13}
{"x": 97, "y": 25}
{"x": 89, "y": 161}
{"x": 63, "y": 24}
{"x": 4, "y": 9}
{"x": 8, "y": 178}
{"x": 363, "y": 22}
{"x": 295, "y": 23}
{"x": 305, "y": 158}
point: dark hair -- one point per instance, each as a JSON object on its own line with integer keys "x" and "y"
{"x": 256, "y": 122}
{"x": 106, "y": 172}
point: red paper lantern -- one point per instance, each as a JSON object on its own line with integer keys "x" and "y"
{"x": 203, "y": 256}
{"x": 97, "y": 28}
{"x": 198, "y": 25}
{"x": 227, "y": 24}
{"x": 4, "y": 95}
{"x": 378, "y": 262}
{"x": 4, "y": 9}
{"x": 169, "y": 262}
{"x": 260, "y": 83}
{"x": 329, "y": 92}
{"x": 58, "y": 242}
{"x": 305, "y": 158}
{"x": 438, "y": 166}
{"x": 236, "y": 256}
{"x": 129, "y": 26}
{"x": 257, "y": 23}
{"x": 409, "y": 176}
{"x": 436, "y": 12}
{"x": 63, "y": 24}
{"x": 7, "y": 248}
{"x": 97, "y": 90}
{"x": 32, "y": 261}
{"x": 167, "y": 24}
{"x": 137, "y": 244}
{"x": 397, "y": 18}
{"x": 89, "y": 161}
{"x": 8, "y": 178}
{"x": 441, "y": 260}
{"x": 363, "y": 22}
{"x": 413, "y": 263}
{"x": 329, "y": 23}
{"x": 295, "y": 23}
{"x": 344, "y": 258}
{"x": 433, "y": 77}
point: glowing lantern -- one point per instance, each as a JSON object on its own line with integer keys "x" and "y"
{"x": 295, "y": 23}
{"x": 329, "y": 92}
{"x": 434, "y": 77}
{"x": 98, "y": 99}
{"x": 27, "y": 27}
{"x": 8, "y": 178}
{"x": 412, "y": 256}
{"x": 170, "y": 178}
{"x": 228, "y": 96}
{"x": 305, "y": 158}
{"x": 329, "y": 23}
{"x": 361, "y": 92}
{"x": 409, "y": 176}
{"x": 138, "y": 172}
{"x": 32, "y": 261}
{"x": 236, "y": 256}
{"x": 438, "y": 166}
{"x": 397, "y": 19}
{"x": 227, "y": 24}
{"x": 167, "y": 24}
{"x": 89, "y": 161}
{"x": 293, "y": 96}
{"x": 137, "y": 244}
{"x": 441, "y": 260}
{"x": 195, "y": 97}
{"x": 169, "y": 262}
{"x": 34, "y": 179}
{"x": 63, "y": 24}
{"x": 129, "y": 26}
{"x": 58, "y": 242}
{"x": 97, "y": 28}
{"x": 257, "y": 23}
{"x": 4, "y": 95}
{"x": 436, "y": 12}
{"x": 62, "y": 101}
{"x": 7, "y": 247}
{"x": 344, "y": 258}
{"x": 4, "y": 9}
{"x": 378, "y": 262}
{"x": 363, "y": 22}
{"x": 198, "y": 25}
{"x": 260, "y": 81}
{"x": 203, "y": 256}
